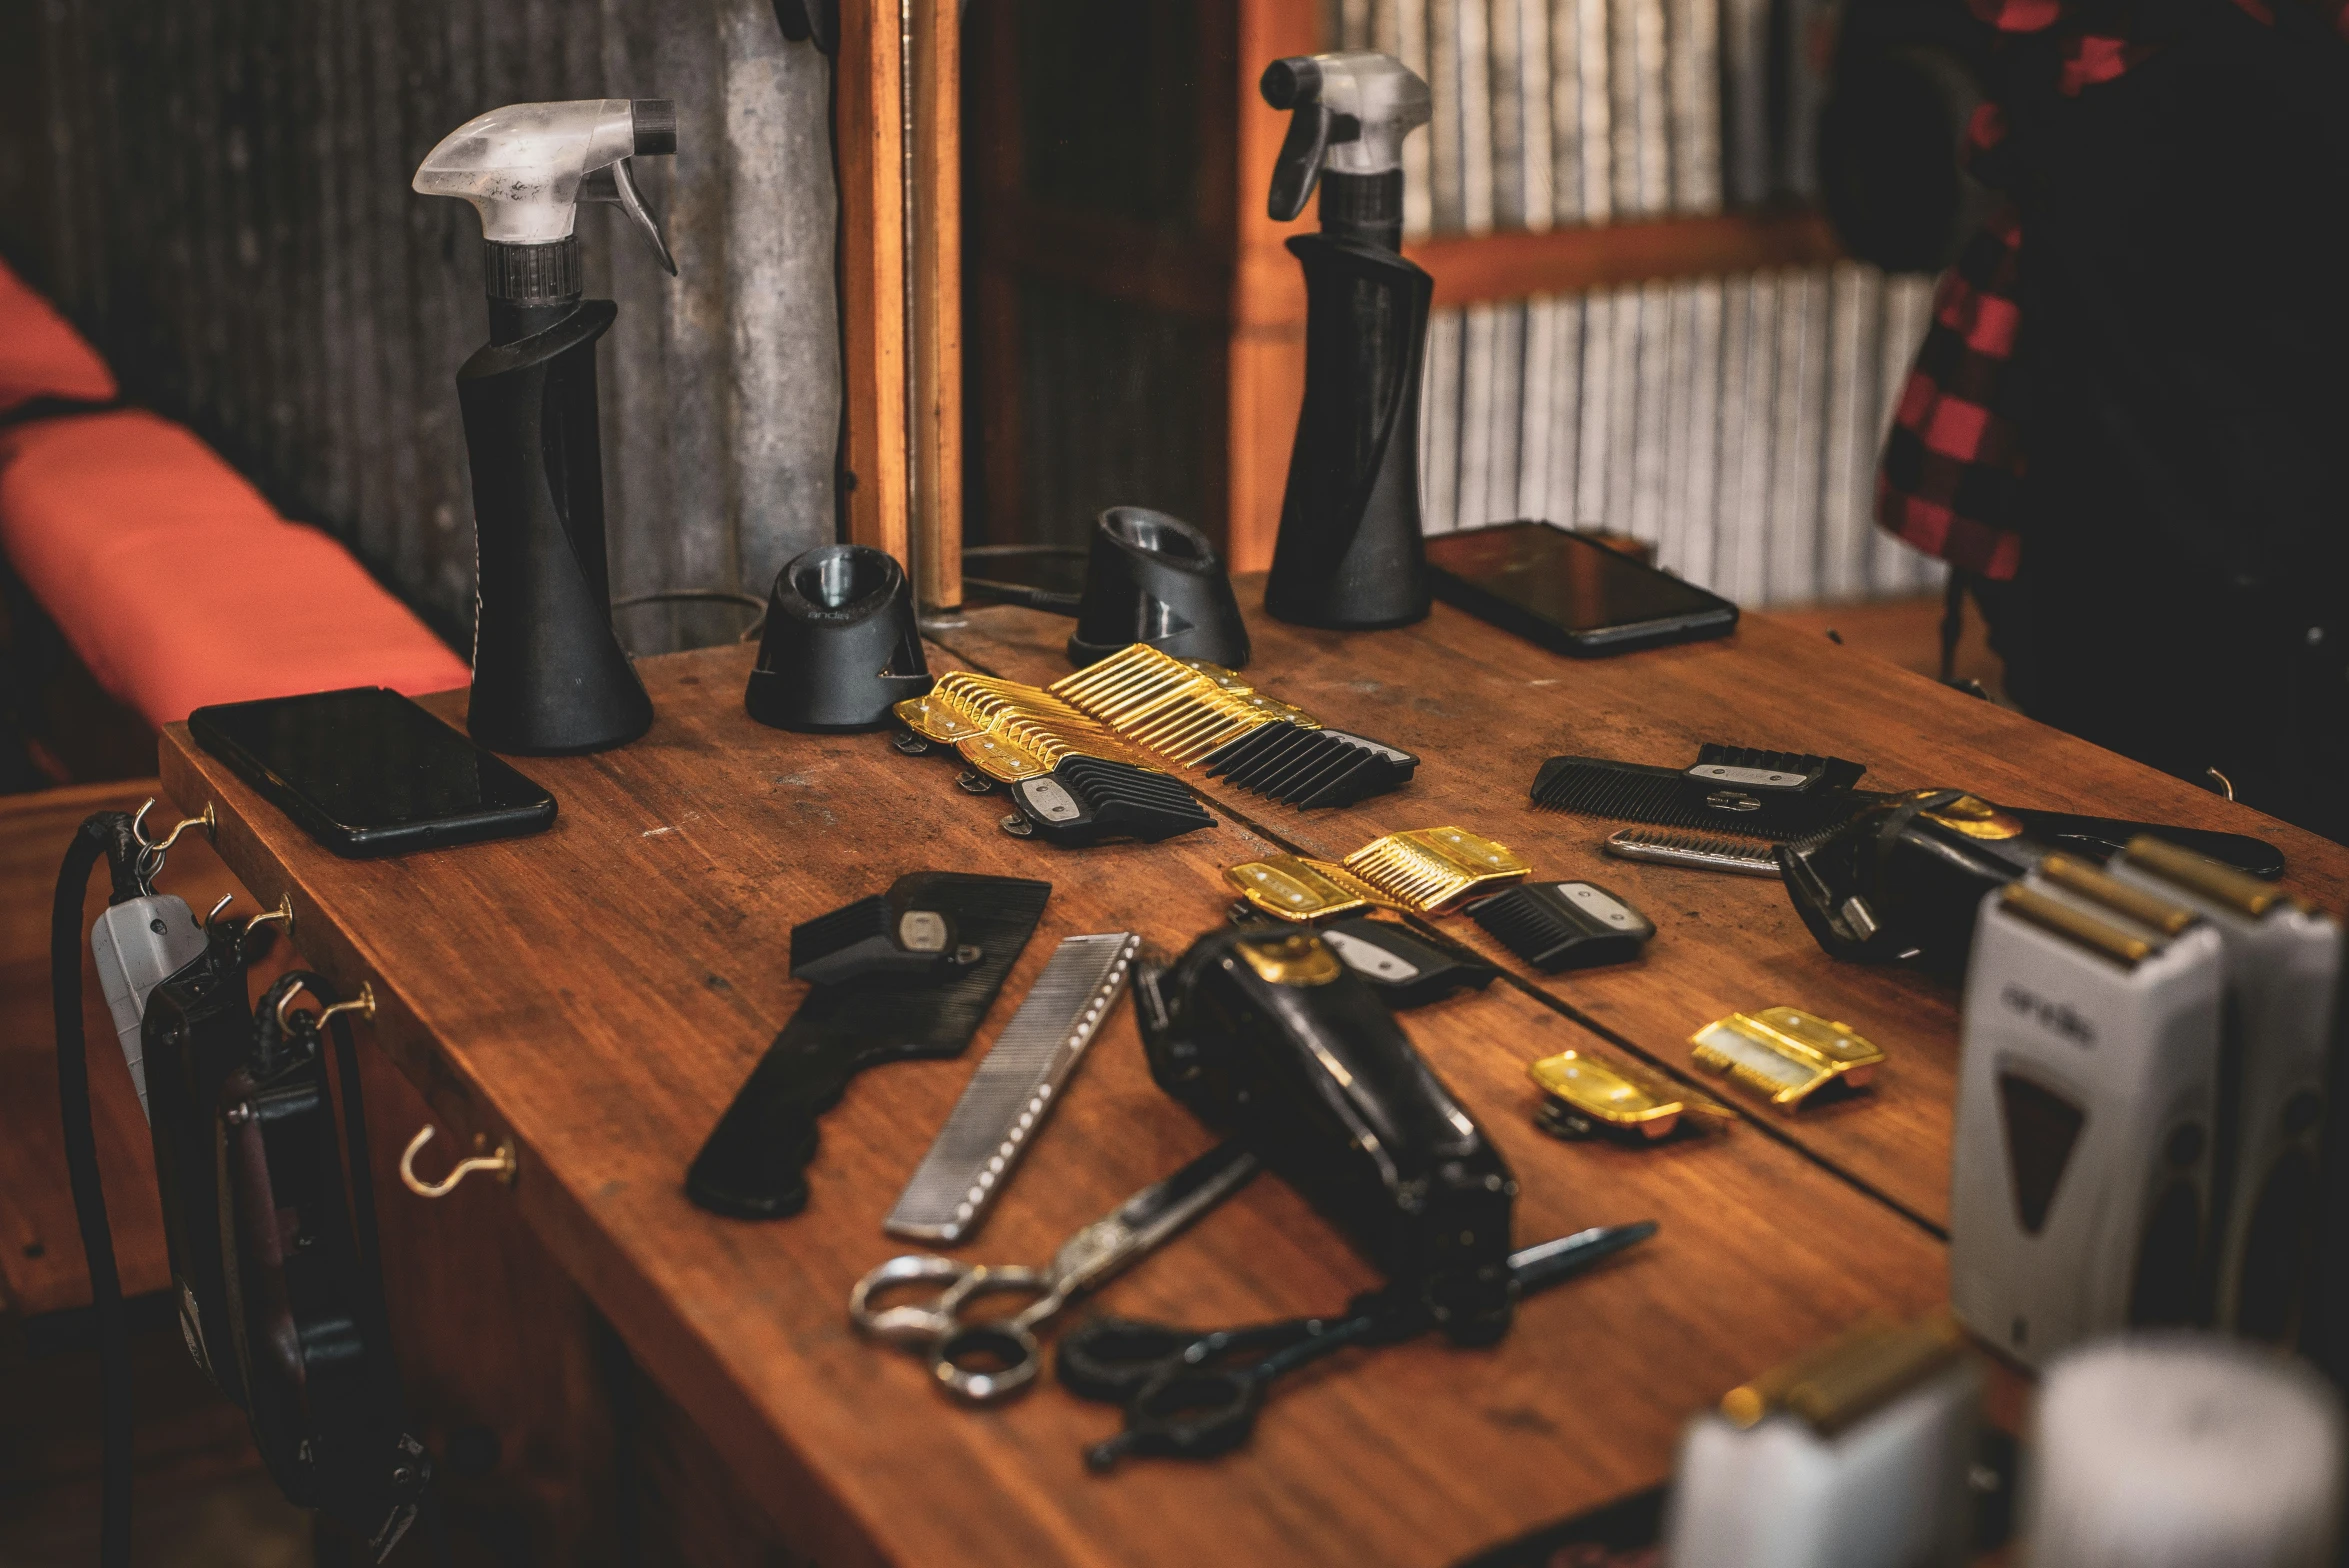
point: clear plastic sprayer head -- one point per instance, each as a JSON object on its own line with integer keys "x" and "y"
{"x": 526, "y": 167}
{"x": 1350, "y": 113}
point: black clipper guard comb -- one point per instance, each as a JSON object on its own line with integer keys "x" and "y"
{"x": 1154, "y": 578}
{"x": 841, "y": 644}
{"x": 754, "y": 1165}
{"x": 1564, "y": 925}
{"x": 1090, "y": 800}
{"x": 1267, "y": 1035}
{"x": 1734, "y": 789}
{"x": 1304, "y": 767}
{"x": 1405, "y": 968}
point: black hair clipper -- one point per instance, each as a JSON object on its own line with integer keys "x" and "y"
{"x": 1267, "y": 1035}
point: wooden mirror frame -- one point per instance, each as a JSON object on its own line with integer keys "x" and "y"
{"x": 898, "y": 108}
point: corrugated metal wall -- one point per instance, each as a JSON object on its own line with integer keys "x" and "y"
{"x": 230, "y": 220}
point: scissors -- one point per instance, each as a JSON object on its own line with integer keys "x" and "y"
{"x": 987, "y": 1360}
{"x": 1189, "y": 1395}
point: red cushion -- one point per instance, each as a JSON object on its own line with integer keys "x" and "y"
{"x": 40, "y": 353}
{"x": 177, "y": 584}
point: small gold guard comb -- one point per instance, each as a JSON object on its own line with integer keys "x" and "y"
{"x": 1785, "y": 1052}
{"x": 1428, "y": 871}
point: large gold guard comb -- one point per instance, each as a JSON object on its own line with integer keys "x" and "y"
{"x": 1427, "y": 871}
{"x": 1201, "y": 715}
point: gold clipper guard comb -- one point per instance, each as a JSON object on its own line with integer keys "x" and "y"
{"x": 1202, "y": 715}
{"x": 1840, "y": 1383}
{"x": 1427, "y": 871}
{"x": 1005, "y": 730}
{"x": 1588, "y": 1096}
{"x": 1785, "y": 1052}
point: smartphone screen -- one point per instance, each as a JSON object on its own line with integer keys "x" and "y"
{"x": 367, "y": 772}
{"x": 1568, "y": 592}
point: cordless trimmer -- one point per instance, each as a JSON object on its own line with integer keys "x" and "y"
{"x": 548, "y": 675}
{"x": 1349, "y": 553}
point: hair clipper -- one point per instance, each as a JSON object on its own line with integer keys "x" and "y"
{"x": 2081, "y": 1176}
{"x": 1267, "y": 1035}
{"x": 2283, "y": 965}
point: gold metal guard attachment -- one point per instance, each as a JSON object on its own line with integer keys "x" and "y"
{"x": 1293, "y": 888}
{"x": 1625, "y": 1099}
{"x": 1004, "y": 729}
{"x": 1785, "y": 1052}
{"x": 1181, "y": 709}
{"x": 1426, "y": 871}
{"x": 1852, "y": 1376}
{"x": 501, "y": 1161}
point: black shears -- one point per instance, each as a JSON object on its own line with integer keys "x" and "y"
{"x": 1193, "y": 1395}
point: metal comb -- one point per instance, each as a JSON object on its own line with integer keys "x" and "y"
{"x": 1698, "y": 851}
{"x": 1009, "y": 1096}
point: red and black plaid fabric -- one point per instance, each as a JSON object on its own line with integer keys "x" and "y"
{"x": 1954, "y": 460}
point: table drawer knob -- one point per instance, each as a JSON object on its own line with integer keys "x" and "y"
{"x": 501, "y": 1160}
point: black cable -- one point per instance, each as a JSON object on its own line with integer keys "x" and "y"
{"x": 103, "y": 836}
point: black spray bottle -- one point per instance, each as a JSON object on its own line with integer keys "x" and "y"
{"x": 1349, "y": 553}
{"x": 548, "y": 675}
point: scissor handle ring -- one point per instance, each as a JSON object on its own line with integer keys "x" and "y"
{"x": 909, "y": 1324}
{"x": 1005, "y": 1339}
{"x": 1003, "y": 1279}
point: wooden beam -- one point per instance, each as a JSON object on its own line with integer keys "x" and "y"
{"x": 1267, "y": 367}
{"x": 1514, "y": 266}
{"x": 870, "y": 123}
{"x": 935, "y": 499}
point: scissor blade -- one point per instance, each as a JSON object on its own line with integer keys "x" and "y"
{"x": 1150, "y": 1217}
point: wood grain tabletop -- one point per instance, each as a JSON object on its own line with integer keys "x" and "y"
{"x": 597, "y": 993}
{"x": 1483, "y": 710}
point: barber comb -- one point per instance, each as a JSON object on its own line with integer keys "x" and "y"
{"x": 1730, "y": 789}
{"x": 1427, "y": 871}
{"x": 1203, "y": 716}
{"x": 1072, "y": 781}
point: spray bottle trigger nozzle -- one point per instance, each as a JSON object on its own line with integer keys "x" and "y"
{"x": 1298, "y": 168}
{"x": 616, "y": 183}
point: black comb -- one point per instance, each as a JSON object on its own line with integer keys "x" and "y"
{"x": 1564, "y": 925}
{"x": 1089, "y": 799}
{"x": 1730, "y": 789}
{"x": 1308, "y": 767}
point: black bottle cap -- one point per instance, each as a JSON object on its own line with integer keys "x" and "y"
{"x": 841, "y": 644}
{"x": 1154, "y": 578}
{"x": 655, "y": 120}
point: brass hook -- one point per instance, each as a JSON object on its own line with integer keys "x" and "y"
{"x": 363, "y": 1004}
{"x": 284, "y": 911}
{"x": 502, "y": 1162}
{"x": 206, "y": 820}
{"x": 2226, "y": 785}
{"x": 213, "y": 914}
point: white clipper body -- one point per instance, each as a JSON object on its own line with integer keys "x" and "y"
{"x": 1883, "y": 1484}
{"x": 138, "y": 944}
{"x": 2283, "y": 966}
{"x": 2181, "y": 1451}
{"x": 2081, "y": 1175}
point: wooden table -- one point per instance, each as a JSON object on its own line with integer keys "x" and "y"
{"x": 597, "y": 994}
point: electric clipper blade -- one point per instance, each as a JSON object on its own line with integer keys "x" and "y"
{"x": 1786, "y": 1053}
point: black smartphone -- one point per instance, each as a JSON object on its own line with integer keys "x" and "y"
{"x": 1570, "y": 593}
{"x": 366, "y": 772}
